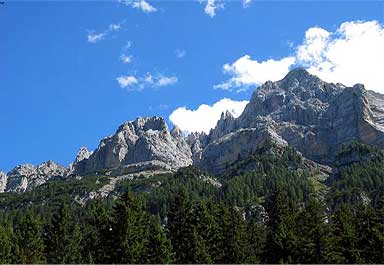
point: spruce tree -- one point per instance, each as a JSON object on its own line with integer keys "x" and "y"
{"x": 159, "y": 246}
{"x": 63, "y": 238}
{"x": 315, "y": 243}
{"x": 28, "y": 240}
{"x": 346, "y": 235}
{"x": 370, "y": 234}
{"x": 281, "y": 238}
{"x": 181, "y": 228}
{"x": 129, "y": 230}
{"x": 6, "y": 244}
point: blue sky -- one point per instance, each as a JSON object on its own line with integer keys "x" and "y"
{"x": 59, "y": 87}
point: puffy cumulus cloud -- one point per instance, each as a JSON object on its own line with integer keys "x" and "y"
{"x": 133, "y": 83}
{"x": 354, "y": 53}
{"x": 205, "y": 116}
{"x": 139, "y": 4}
{"x": 246, "y": 72}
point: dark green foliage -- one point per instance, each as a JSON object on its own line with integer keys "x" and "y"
{"x": 266, "y": 211}
{"x": 264, "y": 172}
{"x": 160, "y": 248}
{"x": 29, "y": 247}
{"x": 6, "y": 243}
{"x": 281, "y": 237}
{"x": 129, "y": 231}
{"x": 180, "y": 227}
{"x": 315, "y": 243}
{"x": 63, "y": 238}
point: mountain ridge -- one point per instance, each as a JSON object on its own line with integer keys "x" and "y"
{"x": 300, "y": 110}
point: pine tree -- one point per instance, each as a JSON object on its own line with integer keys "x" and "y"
{"x": 63, "y": 239}
{"x": 159, "y": 248}
{"x": 257, "y": 241}
{"x": 370, "y": 234}
{"x": 29, "y": 242}
{"x": 181, "y": 228}
{"x": 346, "y": 235}
{"x": 315, "y": 244}
{"x": 234, "y": 236}
{"x": 281, "y": 239}
{"x": 6, "y": 244}
{"x": 94, "y": 225}
{"x": 129, "y": 230}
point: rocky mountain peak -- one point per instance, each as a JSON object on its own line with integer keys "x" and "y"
{"x": 226, "y": 115}
{"x": 300, "y": 74}
{"x": 151, "y": 123}
{"x": 314, "y": 116}
{"x": 142, "y": 140}
{"x": 27, "y": 176}
{"x": 3, "y": 181}
{"x": 177, "y": 132}
{"x": 82, "y": 154}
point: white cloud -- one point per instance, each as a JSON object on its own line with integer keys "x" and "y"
{"x": 133, "y": 83}
{"x": 212, "y": 6}
{"x": 180, "y": 53}
{"x": 246, "y": 3}
{"x": 354, "y": 53}
{"x": 127, "y": 81}
{"x": 93, "y": 37}
{"x": 139, "y": 4}
{"x": 125, "y": 58}
{"x": 166, "y": 81}
{"x": 246, "y": 72}
{"x": 205, "y": 116}
{"x": 144, "y": 6}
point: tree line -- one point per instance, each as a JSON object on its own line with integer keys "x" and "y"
{"x": 200, "y": 232}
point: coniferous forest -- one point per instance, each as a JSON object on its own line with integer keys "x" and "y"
{"x": 267, "y": 208}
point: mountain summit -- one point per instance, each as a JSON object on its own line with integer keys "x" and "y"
{"x": 301, "y": 111}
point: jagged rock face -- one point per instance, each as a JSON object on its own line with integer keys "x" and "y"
{"x": 314, "y": 116}
{"x": 78, "y": 165}
{"x": 3, "y": 181}
{"x": 26, "y": 177}
{"x": 197, "y": 141}
{"x": 145, "y": 139}
{"x": 82, "y": 154}
{"x": 222, "y": 152}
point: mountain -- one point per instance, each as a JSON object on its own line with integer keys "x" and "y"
{"x": 301, "y": 111}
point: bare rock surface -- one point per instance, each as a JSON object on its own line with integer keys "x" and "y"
{"x": 142, "y": 140}
{"x": 26, "y": 177}
{"x": 314, "y": 116}
{"x": 3, "y": 181}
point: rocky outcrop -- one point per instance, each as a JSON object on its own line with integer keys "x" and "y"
{"x": 221, "y": 153}
{"x": 26, "y": 177}
{"x": 313, "y": 116}
{"x": 142, "y": 140}
{"x": 78, "y": 165}
{"x": 3, "y": 181}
